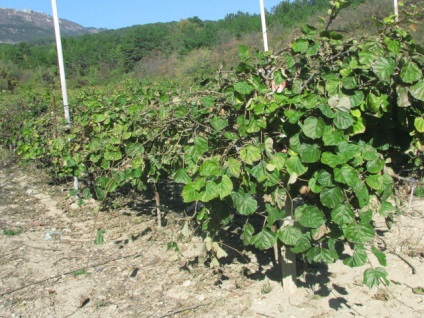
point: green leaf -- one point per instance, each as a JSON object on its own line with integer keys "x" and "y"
{"x": 258, "y": 172}
{"x": 374, "y": 181}
{"x": 345, "y": 174}
{"x": 324, "y": 178}
{"x": 300, "y": 45}
{"x": 417, "y": 90}
{"x": 309, "y": 153}
{"x": 190, "y": 192}
{"x": 244, "y": 88}
{"x": 376, "y": 165}
{"x": 313, "y": 127}
{"x": 372, "y": 277}
{"x": 264, "y": 239}
{"x": 358, "y": 258}
{"x": 289, "y": 235}
{"x": 331, "y": 197}
{"x": 303, "y": 244}
{"x": 381, "y": 257}
{"x": 361, "y": 192}
{"x": 386, "y": 208}
{"x": 210, "y": 168}
{"x": 369, "y": 153}
{"x": 419, "y": 124}
{"x": 250, "y": 154}
{"x": 247, "y": 234}
{"x": 309, "y": 216}
{"x": 113, "y": 155}
{"x": 225, "y": 187}
{"x": 219, "y": 123}
{"x": 319, "y": 254}
{"x": 181, "y": 176}
{"x": 384, "y": 67}
{"x": 233, "y": 167}
{"x": 210, "y": 192}
{"x": 244, "y": 203}
{"x": 99, "y": 240}
{"x": 410, "y": 73}
{"x": 342, "y": 104}
{"x": 294, "y": 165}
{"x": 332, "y": 137}
{"x": 100, "y": 193}
{"x": 343, "y": 215}
{"x": 403, "y": 96}
{"x": 332, "y": 160}
{"x": 359, "y": 233}
{"x": 343, "y": 120}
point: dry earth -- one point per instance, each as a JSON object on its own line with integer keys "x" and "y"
{"x": 53, "y": 269}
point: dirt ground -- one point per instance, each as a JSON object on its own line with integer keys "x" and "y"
{"x": 49, "y": 266}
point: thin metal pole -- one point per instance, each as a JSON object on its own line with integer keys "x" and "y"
{"x": 62, "y": 70}
{"x": 396, "y": 7}
{"x": 264, "y": 29}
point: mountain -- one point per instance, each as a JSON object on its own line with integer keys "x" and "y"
{"x": 18, "y": 26}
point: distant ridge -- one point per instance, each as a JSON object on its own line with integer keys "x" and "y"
{"x": 29, "y": 26}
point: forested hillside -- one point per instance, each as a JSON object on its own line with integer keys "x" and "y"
{"x": 189, "y": 48}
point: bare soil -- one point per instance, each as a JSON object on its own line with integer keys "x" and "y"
{"x": 50, "y": 267}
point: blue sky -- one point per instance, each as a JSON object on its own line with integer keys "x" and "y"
{"x": 113, "y": 14}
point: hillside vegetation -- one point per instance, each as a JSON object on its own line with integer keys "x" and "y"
{"x": 186, "y": 49}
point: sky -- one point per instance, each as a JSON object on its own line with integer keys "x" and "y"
{"x": 115, "y": 14}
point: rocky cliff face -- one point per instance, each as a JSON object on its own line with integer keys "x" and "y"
{"x": 18, "y": 26}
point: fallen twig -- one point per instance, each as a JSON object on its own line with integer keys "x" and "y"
{"x": 414, "y": 271}
{"x": 182, "y": 310}
{"x": 63, "y": 274}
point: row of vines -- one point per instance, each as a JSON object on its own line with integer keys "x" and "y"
{"x": 308, "y": 140}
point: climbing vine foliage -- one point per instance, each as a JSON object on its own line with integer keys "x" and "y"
{"x": 307, "y": 141}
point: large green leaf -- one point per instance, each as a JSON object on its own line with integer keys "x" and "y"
{"x": 303, "y": 244}
{"x": 381, "y": 257}
{"x": 358, "y": 258}
{"x": 361, "y": 192}
{"x": 290, "y": 235}
{"x": 250, "y": 154}
{"x": 343, "y": 215}
{"x": 309, "y": 216}
{"x": 331, "y": 197}
{"x": 359, "y": 233}
{"x": 190, "y": 192}
{"x": 113, "y": 155}
{"x": 181, "y": 176}
{"x": 210, "y": 168}
{"x": 309, "y": 153}
{"x": 218, "y": 123}
{"x": 343, "y": 120}
{"x": 419, "y": 124}
{"x": 376, "y": 165}
{"x": 210, "y": 192}
{"x": 233, "y": 166}
{"x": 243, "y": 87}
{"x": 247, "y": 234}
{"x": 244, "y": 203}
{"x": 372, "y": 277}
{"x": 313, "y": 127}
{"x": 410, "y": 72}
{"x": 264, "y": 239}
{"x": 332, "y": 160}
{"x": 300, "y": 45}
{"x": 294, "y": 165}
{"x": 384, "y": 67}
{"x": 319, "y": 254}
{"x": 417, "y": 90}
{"x": 345, "y": 174}
{"x": 374, "y": 181}
{"x": 225, "y": 187}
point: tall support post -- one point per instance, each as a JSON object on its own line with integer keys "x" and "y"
{"x": 62, "y": 70}
{"x": 396, "y": 8}
{"x": 264, "y": 28}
